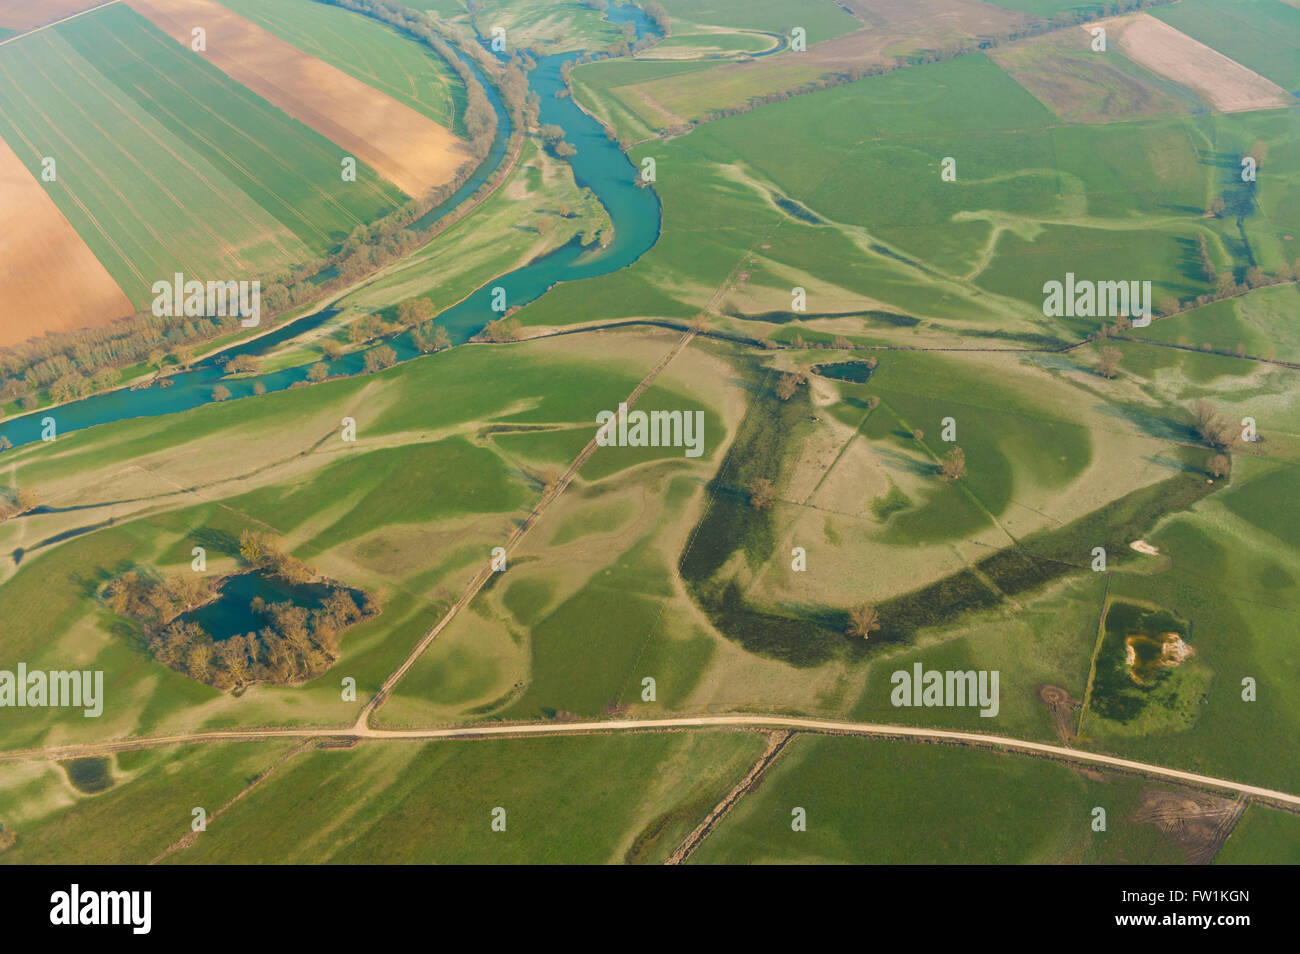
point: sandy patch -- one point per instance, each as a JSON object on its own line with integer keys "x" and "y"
{"x": 49, "y": 279}
{"x": 406, "y": 148}
{"x": 1231, "y": 87}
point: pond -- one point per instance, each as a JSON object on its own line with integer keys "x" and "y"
{"x": 231, "y": 613}
{"x": 855, "y": 371}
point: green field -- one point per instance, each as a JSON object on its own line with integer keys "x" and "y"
{"x": 862, "y": 800}
{"x": 567, "y": 801}
{"x": 372, "y": 52}
{"x": 187, "y": 179}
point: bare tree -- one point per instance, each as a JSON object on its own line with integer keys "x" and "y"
{"x": 1108, "y": 364}
{"x": 954, "y": 464}
{"x": 863, "y": 621}
{"x": 762, "y": 493}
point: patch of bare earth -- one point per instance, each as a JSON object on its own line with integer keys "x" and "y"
{"x": 1064, "y": 709}
{"x": 1198, "y": 822}
{"x": 1231, "y": 87}
{"x": 405, "y": 147}
{"x": 49, "y": 279}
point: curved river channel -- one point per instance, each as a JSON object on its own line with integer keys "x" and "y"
{"x": 599, "y": 164}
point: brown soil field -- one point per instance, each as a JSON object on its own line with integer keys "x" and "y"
{"x": 28, "y": 14}
{"x": 408, "y": 149}
{"x": 1231, "y": 87}
{"x": 1060, "y": 70}
{"x": 49, "y": 279}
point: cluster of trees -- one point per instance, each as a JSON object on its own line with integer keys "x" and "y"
{"x": 500, "y": 331}
{"x": 1217, "y": 430}
{"x": 293, "y": 644}
{"x": 788, "y": 383}
{"x": 658, "y": 16}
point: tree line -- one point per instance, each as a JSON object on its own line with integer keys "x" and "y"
{"x": 293, "y": 643}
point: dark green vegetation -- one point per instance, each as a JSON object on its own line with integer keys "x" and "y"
{"x": 90, "y": 776}
{"x": 1135, "y": 669}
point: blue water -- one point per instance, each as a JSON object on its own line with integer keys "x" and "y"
{"x": 231, "y": 614}
{"x": 599, "y": 165}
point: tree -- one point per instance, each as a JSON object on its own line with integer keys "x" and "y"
{"x": 414, "y": 311}
{"x": 221, "y": 393}
{"x": 377, "y": 359}
{"x": 257, "y": 548}
{"x": 1216, "y": 206}
{"x": 918, "y": 434}
{"x": 331, "y": 348}
{"x": 441, "y": 338}
{"x": 1109, "y": 361}
{"x": 1219, "y": 465}
{"x": 863, "y": 621}
{"x": 318, "y": 372}
{"x": 954, "y": 464}
{"x": 1215, "y": 429}
{"x": 786, "y": 385}
{"x": 762, "y": 493}
{"x": 259, "y": 388}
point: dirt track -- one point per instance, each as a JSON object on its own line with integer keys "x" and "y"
{"x": 767, "y": 722}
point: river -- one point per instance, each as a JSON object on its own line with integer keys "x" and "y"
{"x": 599, "y": 165}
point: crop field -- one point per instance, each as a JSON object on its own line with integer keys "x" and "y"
{"x": 1229, "y": 85}
{"x": 38, "y": 246}
{"x": 19, "y": 16}
{"x": 1259, "y": 34}
{"x": 405, "y": 147}
{"x": 372, "y": 53}
{"x": 232, "y": 211}
{"x": 1063, "y": 72}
